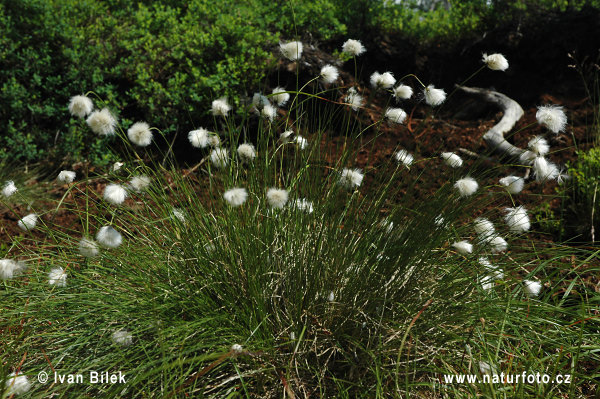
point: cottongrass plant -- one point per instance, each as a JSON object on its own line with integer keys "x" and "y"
{"x": 294, "y": 273}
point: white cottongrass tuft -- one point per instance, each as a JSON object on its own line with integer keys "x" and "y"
{"x": 57, "y": 277}
{"x": 220, "y": 107}
{"x": 451, "y": 159}
{"x": 102, "y": 122}
{"x": 527, "y": 157}
{"x": 268, "y": 112}
{"x": 496, "y": 62}
{"x": 351, "y": 178}
{"x": 286, "y": 137}
{"x": 115, "y": 194}
{"x": 532, "y": 288}
{"x": 433, "y": 96}
{"x": 353, "y": 47}
{"x": 301, "y": 142}
{"x": 291, "y": 50}
{"x": 354, "y": 99}
{"x": 117, "y": 165}
{"x": 485, "y": 368}
{"x": 495, "y": 272}
{"x": 463, "y": 247}
{"x": 331, "y": 297}
{"x": 466, "y": 186}
{"x": 9, "y": 188}
{"x": 139, "y": 183}
{"x": 517, "y": 219}
{"x": 108, "y": 237}
{"x": 396, "y": 115}
{"x": 139, "y": 134}
{"x": 80, "y": 106}
{"x": 66, "y": 176}
{"x": 539, "y": 146}
{"x": 16, "y": 385}
{"x": 304, "y": 205}
{"x": 178, "y": 214}
{"x": 513, "y": 184}
{"x": 122, "y": 337}
{"x": 402, "y": 92}
{"x": 198, "y": 138}
{"x": 236, "y": 196}
{"x": 484, "y": 228}
{"x": 497, "y": 243}
{"x": 236, "y": 349}
{"x": 88, "y": 248}
{"x": 246, "y": 152}
{"x": 544, "y": 170}
{"x": 552, "y": 116}
{"x": 219, "y": 157}
{"x": 10, "y": 268}
{"x": 329, "y": 74}
{"x": 28, "y": 222}
{"x": 259, "y": 101}
{"x": 487, "y": 283}
{"x": 382, "y": 80}
{"x": 439, "y": 221}
{"x": 404, "y": 157}
{"x": 280, "y": 96}
{"x": 277, "y": 198}
{"x": 214, "y": 140}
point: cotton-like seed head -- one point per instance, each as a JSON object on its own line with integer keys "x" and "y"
{"x": 108, "y": 237}
{"x": 277, "y": 198}
{"x": 80, "y": 106}
{"x": 219, "y": 157}
{"x": 451, "y": 159}
{"x": 304, "y": 205}
{"x": 259, "y": 100}
{"x": 527, "y": 157}
{"x": 287, "y": 136}
{"x": 220, "y": 107}
{"x": 496, "y": 243}
{"x": 495, "y": 273}
{"x": 236, "y": 196}
{"x": 402, "y": 92}
{"x": 354, "y": 99}
{"x": 269, "y": 112}
{"x": 122, "y": 337}
{"x": 214, "y": 141}
{"x": 139, "y": 134}
{"x": 532, "y": 288}
{"x": 331, "y": 297}
{"x": 353, "y": 47}
{"x": 552, "y": 116}
{"x": 433, "y": 96}
{"x": 236, "y": 349}
{"x": 466, "y": 186}
{"x": 88, "y": 248}
{"x": 544, "y": 170}
{"x": 301, "y": 142}
{"x": 198, "y": 138}
{"x": 246, "y": 152}
{"x": 485, "y": 368}
{"x": 539, "y": 146}
{"x": 117, "y": 165}
{"x": 396, "y": 115}
{"x": 57, "y": 277}
{"x": 291, "y": 50}
{"x": 329, "y": 74}
{"x": 487, "y": 283}
{"x": 517, "y": 219}
{"x": 280, "y": 96}
{"x": 115, "y": 194}
{"x": 28, "y": 222}
{"x": 404, "y": 157}
{"x": 10, "y": 268}
{"x": 484, "y": 228}
{"x": 139, "y": 183}
{"x": 102, "y": 122}
{"x": 382, "y": 80}
{"x": 178, "y": 214}
{"x": 496, "y": 62}
{"x": 9, "y": 188}
{"x": 66, "y": 176}
{"x": 351, "y": 178}
{"x": 513, "y": 184}
{"x": 463, "y": 247}
{"x": 16, "y": 385}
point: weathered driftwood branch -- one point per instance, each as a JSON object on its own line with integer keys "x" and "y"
{"x": 494, "y": 137}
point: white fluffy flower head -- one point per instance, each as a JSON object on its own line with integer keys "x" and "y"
{"x": 517, "y": 219}
{"x": 532, "y": 288}
{"x": 396, "y": 115}
{"x": 329, "y": 74}
{"x": 403, "y": 92}
{"x": 433, "y": 96}
{"x": 497, "y": 243}
{"x": 57, "y": 277}
{"x": 280, "y": 96}
{"x": 291, "y": 50}
{"x": 513, "y": 184}
{"x": 10, "y": 268}
{"x": 108, "y": 237}
{"x": 539, "y": 146}
{"x": 301, "y": 142}
{"x": 354, "y": 99}
{"x": 544, "y": 170}
{"x": 496, "y": 62}
{"x": 382, "y": 80}
{"x": 451, "y": 159}
{"x": 122, "y": 337}
{"x": 139, "y": 183}
{"x": 66, "y": 176}
{"x": 220, "y": 107}
{"x": 404, "y": 157}
{"x": 246, "y": 152}
{"x": 236, "y": 196}
{"x": 139, "y": 133}
{"x": 88, "y": 248}
{"x": 277, "y": 198}
{"x": 268, "y": 112}
{"x": 463, "y": 247}
{"x": 9, "y": 188}
{"x": 219, "y": 157}
{"x": 80, "y": 106}
{"x": 552, "y": 116}
{"x": 198, "y": 138}
{"x": 353, "y": 47}
{"x": 115, "y": 194}
{"x": 102, "y": 122}
{"x": 304, "y": 205}
{"x": 286, "y": 137}
{"x": 28, "y": 222}
{"x": 466, "y": 186}
{"x": 16, "y": 384}
{"x": 484, "y": 228}
{"x": 351, "y": 178}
